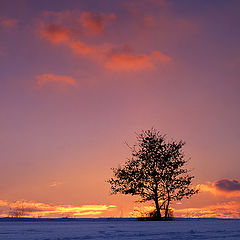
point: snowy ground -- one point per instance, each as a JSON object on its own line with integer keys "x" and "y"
{"x": 119, "y": 229}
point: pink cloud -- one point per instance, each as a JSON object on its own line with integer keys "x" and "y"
{"x": 57, "y": 79}
{"x": 8, "y": 22}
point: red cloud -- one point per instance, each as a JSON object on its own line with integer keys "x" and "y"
{"x": 8, "y": 22}
{"x": 52, "y": 78}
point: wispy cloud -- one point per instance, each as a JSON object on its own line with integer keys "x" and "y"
{"x": 54, "y": 184}
{"x": 220, "y": 210}
{"x": 230, "y": 209}
{"x": 34, "y": 209}
{"x": 8, "y": 22}
{"x": 49, "y": 78}
{"x": 3, "y": 203}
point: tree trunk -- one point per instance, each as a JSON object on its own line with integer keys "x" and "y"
{"x": 167, "y": 206}
{"x": 158, "y": 212}
{"x": 166, "y": 210}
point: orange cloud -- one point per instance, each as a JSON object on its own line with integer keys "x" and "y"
{"x": 33, "y": 209}
{"x": 94, "y": 23}
{"x": 142, "y": 211}
{"x": 220, "y": 210}
{"x": 130, "y": 62}
{"x": 3, "y": 203}
{"x": 8, "y": 22}
{"x": 52, "y": 78}
{"x": 83, "y": 48}
{"x": 56, "y": 33}
{"x": 224, "y": 187}
{"x": 112, "y": 57}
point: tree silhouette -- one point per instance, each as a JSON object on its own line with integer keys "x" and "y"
{"x": 17, "y": 211}
{"x": 155, "y": 172}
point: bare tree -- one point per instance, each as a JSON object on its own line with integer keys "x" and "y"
{"x": 16, "y": 211}
{"x": 155, "y": 172}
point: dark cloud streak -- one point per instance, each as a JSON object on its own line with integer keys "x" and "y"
{"x": 228, "y": 185}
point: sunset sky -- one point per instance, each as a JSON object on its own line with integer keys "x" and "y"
{"x": 78, "y": 78}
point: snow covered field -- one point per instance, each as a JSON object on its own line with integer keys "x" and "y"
{"x": 119, "y": 229}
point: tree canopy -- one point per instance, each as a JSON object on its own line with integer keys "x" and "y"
{"x": 155, "y": 172}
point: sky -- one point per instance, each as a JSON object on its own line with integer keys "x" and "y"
{"x": 78, "y": 79}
